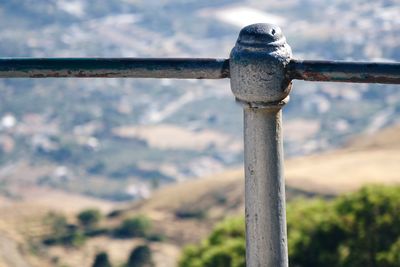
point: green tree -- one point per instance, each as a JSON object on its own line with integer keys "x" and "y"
{"x": 140, "y": 257}
{"x": 370, "y": 219}
{"x": 89, "y": 217}
{"x": 314, "y": 234}
{"x": 101, "y": 260}
{"x": 390, "y": 257}
{"x": 361, "y": 229}
{"x": 223, "y": 248}
{"x": 138, "y": 226}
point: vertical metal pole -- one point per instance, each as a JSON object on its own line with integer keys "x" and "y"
{"x": 258, "y": 65}
{"x": 264, "y": 188}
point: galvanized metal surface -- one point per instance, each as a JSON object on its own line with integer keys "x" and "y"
{"x": 258, "y": 65}
{"x": 179, "y": 68}
{"x": 258, "y": 80}
{"x": 340, "y": 71}
{"x": 266, "y": 241}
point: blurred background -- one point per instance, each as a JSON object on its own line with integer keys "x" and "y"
{"x": 124, "y": 171}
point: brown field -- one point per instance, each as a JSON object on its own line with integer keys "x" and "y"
{"x": 174, "y": 137}
{"x": 367, "y": 159}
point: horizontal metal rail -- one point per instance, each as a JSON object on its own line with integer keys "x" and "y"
{"x": 178, "y": 68}
{"x": 341, "y": 71}
{"x": 192, "y": 68}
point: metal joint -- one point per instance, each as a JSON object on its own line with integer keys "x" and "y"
{"x": 258, "y": 66}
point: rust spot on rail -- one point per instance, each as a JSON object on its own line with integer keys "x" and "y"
{"x": 340, "y": 71}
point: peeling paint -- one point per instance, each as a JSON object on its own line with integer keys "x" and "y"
{"x": 340, "y": 71}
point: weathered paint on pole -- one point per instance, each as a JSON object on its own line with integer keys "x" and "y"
{"x": 342, "y": 71}
{"x": 178, "y": 68}
{"x": 265, "y": 188}
{"x": 258, "y": 80}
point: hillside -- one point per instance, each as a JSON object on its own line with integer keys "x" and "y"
{"x": 185, "y": 212}
{"x": 366, "y": 159}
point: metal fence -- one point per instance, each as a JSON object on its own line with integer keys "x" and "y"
{"x": 261, "y": 70}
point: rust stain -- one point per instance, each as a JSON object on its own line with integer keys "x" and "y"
{"x": 315, "y": 76}
{"x": 338, "y": 71}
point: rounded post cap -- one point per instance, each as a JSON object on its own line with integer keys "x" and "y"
{"x": 258, "y": 66}
{"x": 260, "y": 34}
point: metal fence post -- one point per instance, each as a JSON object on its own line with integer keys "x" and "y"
{"x": 258, "y": 80}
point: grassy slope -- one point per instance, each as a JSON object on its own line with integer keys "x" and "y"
{"x": 22, "y": 221}
{"x": 365, "y": 159}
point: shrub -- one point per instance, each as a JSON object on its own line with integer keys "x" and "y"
{"x": 223, "y": 248}
{"x": 156, "y": 237}
{"x": 313, "y": 233}
{"x": 114, "y": 213}
{"x": 57, "y": 222}
{"x": 361, "y": 229}
{"x": 101, "y": 260}
{"x": 358, "y": 229}
{"x": 138, "y": 226}
{"x": 75, "y": 239}
{"x": 190, "y": 214}
{"x": 140, "y": 257}
{"x": 62, "y": 233}
{"x": 89, "y": 218}
{"x": 371, "y": 223}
